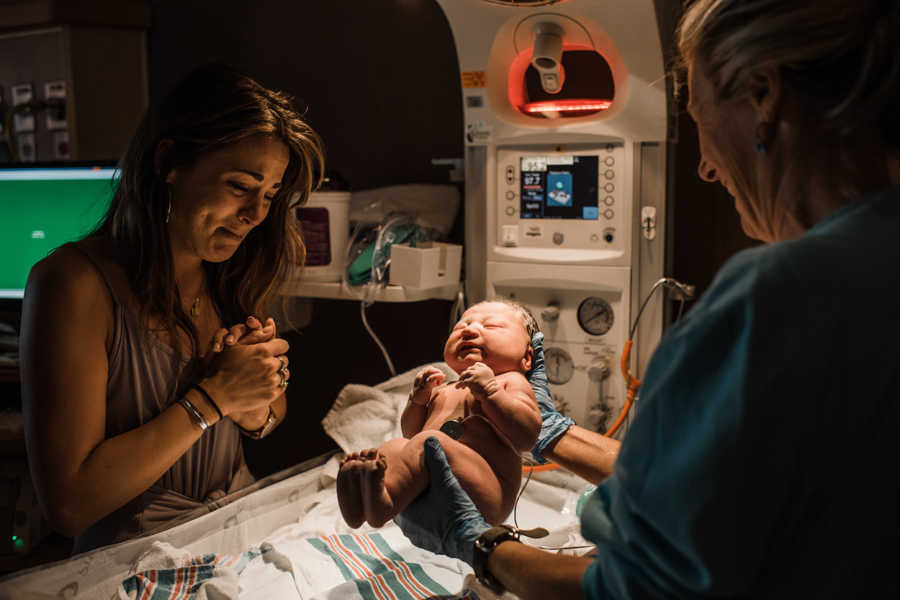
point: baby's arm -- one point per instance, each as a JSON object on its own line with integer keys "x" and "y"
{"x": 416, "y": 412}
{"x": 508, "y": 402}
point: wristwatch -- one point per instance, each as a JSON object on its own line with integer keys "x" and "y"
{"x": 486, "y": 543}
{"x": 263, "y": 431}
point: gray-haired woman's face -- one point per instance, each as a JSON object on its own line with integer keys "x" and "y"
{"x": 726, "y": 132}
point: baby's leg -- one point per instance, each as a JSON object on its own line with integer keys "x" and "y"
{"x": 475, "y": 475}
{"x": 374, "y": 485}
{"x": 362, "y": 493}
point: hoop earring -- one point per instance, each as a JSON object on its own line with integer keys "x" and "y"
{"x": 765, "y": 133}
{"x": 169, "y": 209}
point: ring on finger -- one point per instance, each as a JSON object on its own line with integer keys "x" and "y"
{"x": 284, "y": 365}
{"x": 283, "y": 382}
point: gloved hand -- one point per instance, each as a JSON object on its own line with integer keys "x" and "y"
{"x": 553, "y": 424}
{"x": 443, "y": 518}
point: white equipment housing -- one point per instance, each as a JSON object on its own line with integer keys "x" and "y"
{"x": 565, "y": 179}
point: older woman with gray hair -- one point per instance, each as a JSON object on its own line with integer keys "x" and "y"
{"x": 762, "y": 459}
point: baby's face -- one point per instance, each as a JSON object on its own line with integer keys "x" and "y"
{"x": 492, "y": 333}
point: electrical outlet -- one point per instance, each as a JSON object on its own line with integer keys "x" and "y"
{"x": 22, "y": 94}
{"x": 27, "y": 150}
{"x": 56, "y": 119}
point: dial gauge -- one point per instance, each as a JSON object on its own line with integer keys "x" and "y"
{"x": 559, "y": 365}
{"x": 595, "y": 315}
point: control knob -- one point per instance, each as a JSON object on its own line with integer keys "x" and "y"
{"x": 600, "y": 369}
{"x": 551, "y": 312}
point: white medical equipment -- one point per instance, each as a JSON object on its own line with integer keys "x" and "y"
{"x": 565, "y": 130}
{"x": 324, "y": 220}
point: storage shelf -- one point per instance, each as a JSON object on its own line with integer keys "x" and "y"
{"x": 391, "y": 293}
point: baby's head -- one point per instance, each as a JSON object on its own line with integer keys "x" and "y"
{"x": 497, "y": 333}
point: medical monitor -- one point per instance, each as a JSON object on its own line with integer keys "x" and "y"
{"x": 562, "y": 199}
{"x": 559, "y": 187}
{"x": 43, "y": 207}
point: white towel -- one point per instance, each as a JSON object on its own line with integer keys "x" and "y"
{"x": 366, "y": 417}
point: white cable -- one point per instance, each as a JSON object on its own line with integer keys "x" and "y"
{"x": 387, "y": 358}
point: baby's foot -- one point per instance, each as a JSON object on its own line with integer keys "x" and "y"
{"x": 349, "y": 490}
{"x": 377, "y": 503}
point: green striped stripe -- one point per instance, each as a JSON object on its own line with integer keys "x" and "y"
{"x": 418, "y": 572}
{"x": 377, "y": 566}
{"x": 363, "y": 586}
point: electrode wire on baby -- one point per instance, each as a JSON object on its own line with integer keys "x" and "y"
{"x": 516, "y": 515}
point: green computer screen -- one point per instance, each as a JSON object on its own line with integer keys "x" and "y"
{"x": 42, "y": 208}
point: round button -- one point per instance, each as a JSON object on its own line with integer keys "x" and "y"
{"x": 608, "y": 213}
{"x": 609, "y": 200}
{"x": 608, "y": 237}
{"x": 510, "y": 195}
{"x": 510, "y": 210}
{"x": 609, "y": 174}
{"x": 609, "y": 161}
{"x": 558, "y": 238}
{"x": 595, "y": 237}
{"x": 609, "y": 187}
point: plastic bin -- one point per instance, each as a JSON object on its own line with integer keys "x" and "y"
{"x": 427, "y": 265}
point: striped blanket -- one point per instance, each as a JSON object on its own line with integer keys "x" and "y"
{"x": 373, "y": 566}
{"x": 186, "y": 580}
{"x": 376, "y": 570}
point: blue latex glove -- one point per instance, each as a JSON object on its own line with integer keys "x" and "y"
{"x": 553, "y": 424}
{"x": 443, "y": 518}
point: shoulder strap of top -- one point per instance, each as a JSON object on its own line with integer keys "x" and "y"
{"x": 103, "y": 266}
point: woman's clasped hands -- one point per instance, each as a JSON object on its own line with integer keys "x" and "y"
{"x": 247, "y": 368}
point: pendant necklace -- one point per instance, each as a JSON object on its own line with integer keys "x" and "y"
{"x": 195, "y": 307}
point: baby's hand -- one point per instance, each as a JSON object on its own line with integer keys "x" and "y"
{"x": 425, "y": 381}
{"x": 480, "y": 379}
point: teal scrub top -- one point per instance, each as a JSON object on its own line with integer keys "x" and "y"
{"x": 764, "y": 457}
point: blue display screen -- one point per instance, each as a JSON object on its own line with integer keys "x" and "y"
{"x": 560, "y": 187}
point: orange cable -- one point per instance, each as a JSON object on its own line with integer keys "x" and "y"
{"x": 633, "y": 383}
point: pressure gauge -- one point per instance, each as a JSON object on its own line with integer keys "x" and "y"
{"x": 559, "y": 365}
{"x": 595, "y": 315}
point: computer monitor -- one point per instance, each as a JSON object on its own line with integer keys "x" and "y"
{"x": 43, "y": 207}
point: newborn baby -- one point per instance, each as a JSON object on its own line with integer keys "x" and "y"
{"x": 483, "y": 420}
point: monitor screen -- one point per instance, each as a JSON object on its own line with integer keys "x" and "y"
{"x": 560, "y": 187}
{"x": 42, "y": 208}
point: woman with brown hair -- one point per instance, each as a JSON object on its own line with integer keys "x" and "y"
{"x": 136, "y": 395}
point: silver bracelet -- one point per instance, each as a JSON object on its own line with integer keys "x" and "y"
{"x": 195, "y": 415}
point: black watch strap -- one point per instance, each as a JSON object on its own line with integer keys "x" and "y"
{"x": 265, "y": 429}
{"x": 486, "y": 543}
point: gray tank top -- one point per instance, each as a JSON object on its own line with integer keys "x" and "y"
{"x": 145, "y": 377}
